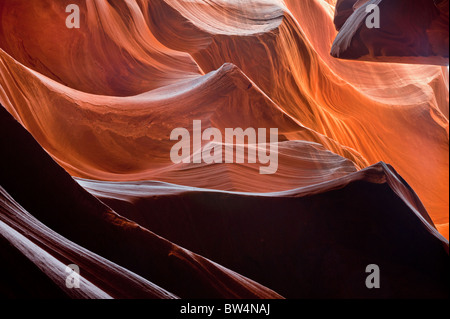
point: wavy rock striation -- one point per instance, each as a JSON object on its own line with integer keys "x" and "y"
{"x": 87, "y": 176}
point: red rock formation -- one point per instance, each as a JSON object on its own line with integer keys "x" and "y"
{"x": 410, "y": 32}
{"x": 103, "y": 100}
{"x": 71, "y": 215}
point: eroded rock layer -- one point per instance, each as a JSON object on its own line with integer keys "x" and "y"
{"x": 362, "y": 168}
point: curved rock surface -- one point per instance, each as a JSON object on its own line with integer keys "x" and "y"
{"x": 408, "y": 31}
{"x": 98, "y": 104}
